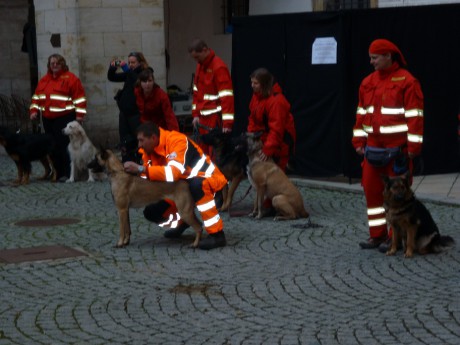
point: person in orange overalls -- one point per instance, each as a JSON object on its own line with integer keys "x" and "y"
{"x": 171, "y": 156}
{"x": 388, "y": 131}
{"x": 60, "y": 98}
{"x": 213, "y": 104}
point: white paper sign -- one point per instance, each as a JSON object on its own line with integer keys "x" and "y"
{"x": 324, "y": 51}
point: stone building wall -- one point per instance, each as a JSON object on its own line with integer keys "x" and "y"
{"x": 92, "y": 33}
{"x": 14, "y": 64}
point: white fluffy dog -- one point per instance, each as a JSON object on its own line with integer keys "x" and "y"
{"x": 81, "y": 152}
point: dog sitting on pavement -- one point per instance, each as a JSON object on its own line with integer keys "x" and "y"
{"x": 81, "y": 152}
{"x": 131, "y": 191}
{"x": 231, "y": 158}
{"x": 270, "y": 181}
{"x": 23, "y": 149}
{"x": 410, "y": 220}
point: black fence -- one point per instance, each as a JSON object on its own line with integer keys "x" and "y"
{"x": 324, "y": 96}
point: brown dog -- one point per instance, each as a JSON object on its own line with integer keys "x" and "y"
{"x": 410, "y": 220}
{"x": 131, "y": 191}
{"x": 270, "y": 181}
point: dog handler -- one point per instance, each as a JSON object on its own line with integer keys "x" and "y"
{"x": 171, "y": 156}
{"x": 388, "y": 131}
{"x": 60, "y": 98}
{"x": 213, "y": 105}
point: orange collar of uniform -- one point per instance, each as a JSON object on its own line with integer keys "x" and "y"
{"x": 386, "y": 72}
{"x": 208, "y": 59}
{"x": 160, "y": 149}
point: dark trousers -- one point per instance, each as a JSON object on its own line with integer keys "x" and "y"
{"x": 127, "y": 127}
{"x": 60, "y": 155}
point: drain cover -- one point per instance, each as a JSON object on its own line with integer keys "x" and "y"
{"x": 47, "y": 222}
{"x": 18, "y": 255}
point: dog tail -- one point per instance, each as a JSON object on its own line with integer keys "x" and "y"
{"x": 441, "y": 243}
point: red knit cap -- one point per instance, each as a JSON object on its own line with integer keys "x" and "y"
{"x": 383, "y": 46}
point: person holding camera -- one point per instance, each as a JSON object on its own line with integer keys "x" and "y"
{"x": 129, "y": 117}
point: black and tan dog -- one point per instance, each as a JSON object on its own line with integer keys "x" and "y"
{"x": 131, "y": 191}
{"x": 26, "y": 148}
{"x": 411, "y": 222}
{"x": 229, "y": 154}
{"x": 270, "y": 181}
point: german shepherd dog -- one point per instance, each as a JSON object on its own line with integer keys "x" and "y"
{"x": 26, "y": 148}
{"x": 270, "y": 181}
{"x": 131, "y": 191}
{"x": 410, "y": 220}
{"x": 229, "y": 154}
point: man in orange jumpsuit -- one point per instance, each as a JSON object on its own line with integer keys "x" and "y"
{"x": 388, "y": 130}
{"x": 170, "y": 156}
{"x": 213, "y": 105}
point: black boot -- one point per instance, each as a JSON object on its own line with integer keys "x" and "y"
{"x": 177, "y": 232}
{"x": 213, "y": 241}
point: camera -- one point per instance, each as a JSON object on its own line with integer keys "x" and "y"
{"x": 117, "y": 63}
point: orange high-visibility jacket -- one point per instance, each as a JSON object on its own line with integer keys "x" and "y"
{"x": 213, "y": 93}
{"x": 177, "y": 157}
{"x": 390, "y": 111}
{"x": 58, "y": 96}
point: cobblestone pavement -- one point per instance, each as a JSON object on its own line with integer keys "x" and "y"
{"x": 275, "y": 282}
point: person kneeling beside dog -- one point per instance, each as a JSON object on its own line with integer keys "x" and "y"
{"x": 170, "y": 156}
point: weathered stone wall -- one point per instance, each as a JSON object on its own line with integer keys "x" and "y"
{"x": 14, "y": 70}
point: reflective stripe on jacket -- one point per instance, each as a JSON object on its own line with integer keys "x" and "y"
{"x": 213, "y": 91}
{"x": 177, "y": 157}
{"x": 58, "y": 96}
{"x": 390, "y": 111}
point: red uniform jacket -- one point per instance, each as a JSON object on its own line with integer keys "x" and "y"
{"x": 390, "y": 111}
{"x": 213, "y": 93}
{"x": 58, "y": 96}
{"x": 272, "y": 116}
{"x": 156, "y": 108}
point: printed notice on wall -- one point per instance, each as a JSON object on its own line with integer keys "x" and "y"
{"x": 324, "y": 51}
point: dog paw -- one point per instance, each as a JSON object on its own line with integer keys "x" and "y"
{"x": 70, "y": 180}
{"x": 390, "y": 253}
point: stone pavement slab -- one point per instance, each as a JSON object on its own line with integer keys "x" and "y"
{"x": 294, "y": 282}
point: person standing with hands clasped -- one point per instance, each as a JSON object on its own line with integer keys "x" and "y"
{"x": 171, "y": 156}
{"x": 213, "y": 104}
{"x": 388, "y": 131}
{"x": 129, "y": 118}
{"x": 60, "y": 98}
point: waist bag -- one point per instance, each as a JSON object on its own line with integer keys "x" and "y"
{"x": 380, "y": 157}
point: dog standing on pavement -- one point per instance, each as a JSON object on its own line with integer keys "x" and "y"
{"x": 131, "y": 191}
{"x": 230, "y": 156}
{"x": 81, "y": 152}
{"x": 270, "y": 181}
{"x": 23, "y": 149}
{"x": 411, "y": 222}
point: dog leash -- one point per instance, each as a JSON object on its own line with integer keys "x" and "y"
{"x": 241, "y": 199}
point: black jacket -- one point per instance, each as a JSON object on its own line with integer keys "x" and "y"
{"x": 126, "y": 100}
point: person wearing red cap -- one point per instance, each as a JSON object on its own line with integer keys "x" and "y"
{"x": 388, "y": 131}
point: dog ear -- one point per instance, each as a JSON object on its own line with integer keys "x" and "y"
{"x": 104, "y": 154}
